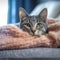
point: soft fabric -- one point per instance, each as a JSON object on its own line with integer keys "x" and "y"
{"x": 11, "y": 37}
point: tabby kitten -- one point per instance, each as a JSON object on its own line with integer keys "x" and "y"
{"x": 34, "y": 25}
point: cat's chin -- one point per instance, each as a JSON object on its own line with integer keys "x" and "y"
{"x": 36, "y": 35}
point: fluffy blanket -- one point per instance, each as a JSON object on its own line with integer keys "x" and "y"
{"x": 11, "y": 37}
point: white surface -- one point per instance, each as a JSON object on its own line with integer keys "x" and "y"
{"x": 3, "y": 12}
{"x": 53, "y": 8}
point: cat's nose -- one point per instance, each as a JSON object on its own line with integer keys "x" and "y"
{"x": 33, "y": 30}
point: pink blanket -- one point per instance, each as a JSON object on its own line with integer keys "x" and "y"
{"x": 13, "y": 38}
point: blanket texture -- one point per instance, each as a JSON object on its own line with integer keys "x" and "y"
{"x": 11, "y": 37}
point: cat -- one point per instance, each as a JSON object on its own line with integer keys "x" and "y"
{"x": 34, "y": 25}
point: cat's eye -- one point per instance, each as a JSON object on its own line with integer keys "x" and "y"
{"x": 39, "y": 25}
{"x": 27, "y": 24}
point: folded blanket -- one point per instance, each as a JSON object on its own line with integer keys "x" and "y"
{"x": 11, "y": 37}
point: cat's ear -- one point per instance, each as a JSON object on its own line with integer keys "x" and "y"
{"x": 43, "y": 14}
{"x": 22, "y": 13}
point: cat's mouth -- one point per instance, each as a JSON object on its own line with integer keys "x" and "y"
{"x": 34, "y": 34}
{"x": 37, "y": 33}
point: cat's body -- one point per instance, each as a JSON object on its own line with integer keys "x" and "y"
{"x": 34, "y": 25}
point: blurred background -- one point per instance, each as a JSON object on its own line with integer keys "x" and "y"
{"x": 9, "y": 9}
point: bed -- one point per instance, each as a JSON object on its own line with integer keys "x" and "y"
{"x": 15, "y": 43}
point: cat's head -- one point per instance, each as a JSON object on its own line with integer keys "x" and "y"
{"x": 35, "y": 25}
